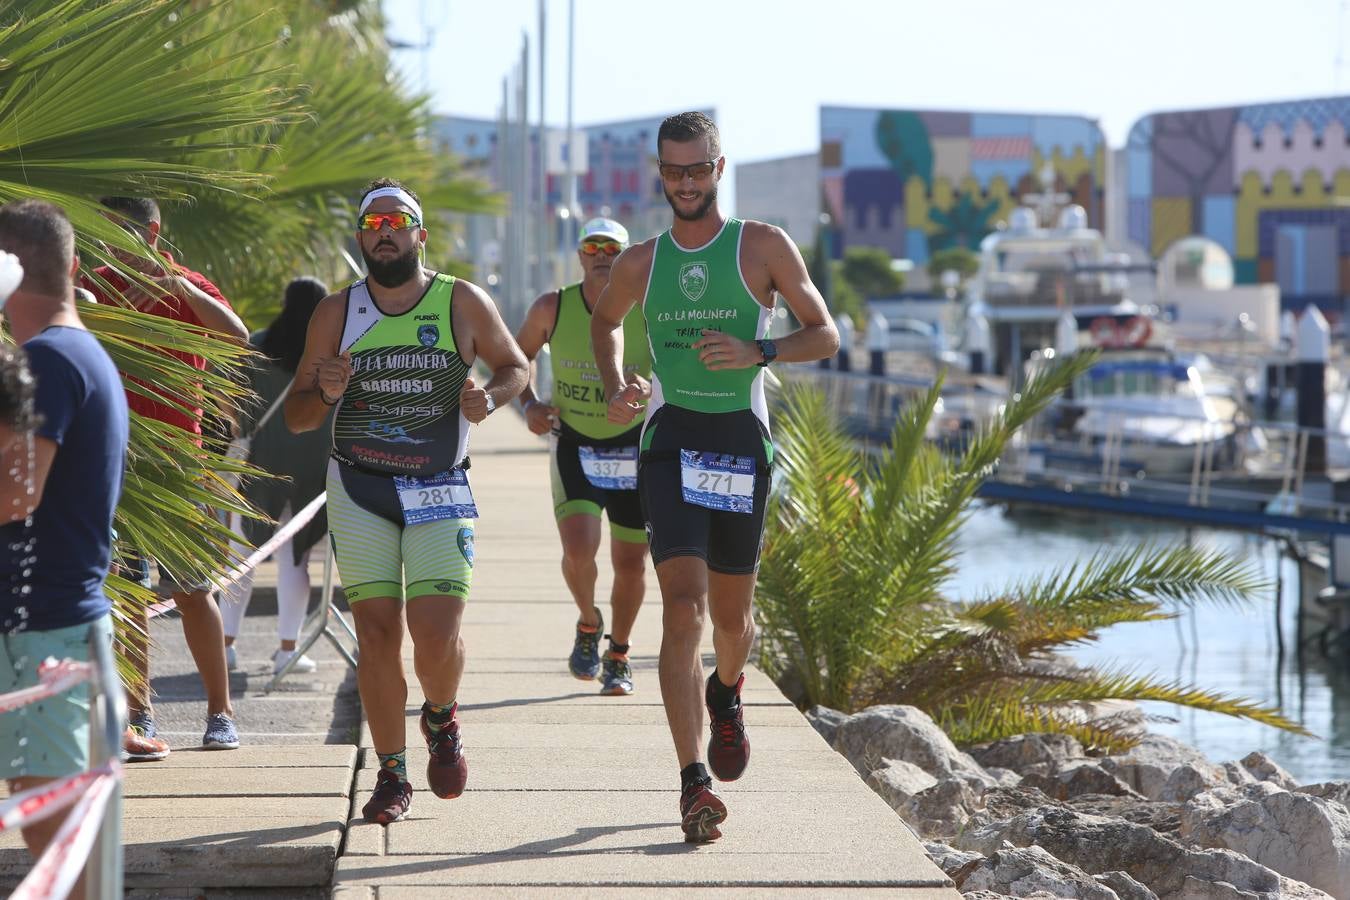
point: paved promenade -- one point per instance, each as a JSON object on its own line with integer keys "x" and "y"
{"x": 569, "y": 792}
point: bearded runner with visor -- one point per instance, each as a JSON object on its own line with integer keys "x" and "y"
{"x": 593, "y": 461}
{"x": 394, "y": 352}
{"x": 706, "y": 288}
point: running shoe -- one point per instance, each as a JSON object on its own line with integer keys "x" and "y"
{"x": 585, "y": 659}
{"x": 139, "y": 743}
{"x": 390, "y": 800}
{"x": 728, "y": 747}
{"x": 220, "y": 733}
{"x": 303, "y": 664}
{"x": 617, "y": 678}
{"x": 447, "y": 770}
{"x": 231, "y": 658}
{"x": 701, "y": 811}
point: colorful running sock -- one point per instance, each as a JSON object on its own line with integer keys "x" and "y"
{"x": 440, "y": 716}
{"x": 694, "y": 772}
{"x": 719, "y": 695}
{"x": 396, "y": 763}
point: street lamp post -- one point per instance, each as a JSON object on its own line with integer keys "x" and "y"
{"x": 822, "y": 260}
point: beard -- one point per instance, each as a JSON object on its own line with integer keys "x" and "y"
{"x": 709, "y": 199}
{"x": 391, "y": 273}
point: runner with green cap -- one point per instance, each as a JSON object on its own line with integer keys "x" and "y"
{"x": 593, "y": 461}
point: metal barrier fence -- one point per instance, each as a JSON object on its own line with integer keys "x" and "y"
{"x": 1160, "y": 462}
{"x": 327, "y": 615}
{"x": 90, "y": 838}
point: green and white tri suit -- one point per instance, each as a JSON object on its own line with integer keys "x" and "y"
{"x": 706, "y": 453}
{"x": 591, "y": 456}
{"x": 399, "y": 418}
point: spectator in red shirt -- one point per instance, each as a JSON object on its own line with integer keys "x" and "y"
{"x": 189, "y": 297}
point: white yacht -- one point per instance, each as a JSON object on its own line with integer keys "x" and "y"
{"x": 1155, "y": 411}
{"x": 1047, "y": 262}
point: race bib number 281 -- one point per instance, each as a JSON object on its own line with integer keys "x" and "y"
{"x": 445, "y": 495}
{"x": 718, "y": 481}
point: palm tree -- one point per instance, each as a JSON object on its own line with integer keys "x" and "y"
{"x": 213, "y": 106}
{"x": 354, "y": 121}
{"x": 859, "y": 545}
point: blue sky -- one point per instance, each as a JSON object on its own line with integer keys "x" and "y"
{"x": 766, "y": 66}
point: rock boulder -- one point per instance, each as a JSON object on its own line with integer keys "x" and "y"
{"x": 1022, "y": 871}
{"x": 905, "y": 733}
{"x": 1297, "y": 834}
{"x": 1025, "y": 751}
{"x": 1098, "y": 844}
{"x": 1149, "y": 764}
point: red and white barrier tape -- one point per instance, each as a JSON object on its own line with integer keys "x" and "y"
{"x": 35, "y": 804}
{"x": 283, "y": 534}
{"x": 54, "y": 677}
{"x": 65, "y": 857}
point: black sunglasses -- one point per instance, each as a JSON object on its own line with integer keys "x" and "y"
{"x": 696, "y": 171}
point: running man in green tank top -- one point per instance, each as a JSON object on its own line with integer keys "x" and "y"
{"x": 393, "y": 352}
{"x": 593, "y": 460}
{"x": 706, "y": 288}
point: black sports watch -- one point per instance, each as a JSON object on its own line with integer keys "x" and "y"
{"x": 770, "y": 351}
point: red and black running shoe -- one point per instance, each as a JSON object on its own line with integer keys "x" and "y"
{"x": 390, "y": 800}
{"x": 701, "y": 811}
{"x": 447, "y": 770}
{"x": 728, "y": 747}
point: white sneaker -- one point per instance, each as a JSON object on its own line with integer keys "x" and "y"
{"x": 231, "y": 659}
{"x": 303, "y": 664}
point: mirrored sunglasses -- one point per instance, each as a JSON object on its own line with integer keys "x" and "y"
{"x": 609, "y": 248}
{"x": 397, "y": 221}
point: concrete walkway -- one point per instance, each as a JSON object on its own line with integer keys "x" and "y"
{"x": 573, "y": 792}
{"x": 569, "y": 792}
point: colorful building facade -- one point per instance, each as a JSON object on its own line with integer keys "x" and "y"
{"x": 915, "y": 182}
{"x": 1269, "y": 182}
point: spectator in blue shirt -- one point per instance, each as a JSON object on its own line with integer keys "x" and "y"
{"x": 56, "y": 507}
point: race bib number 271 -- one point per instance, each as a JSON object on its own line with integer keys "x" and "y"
{"x": 718, "y": 481}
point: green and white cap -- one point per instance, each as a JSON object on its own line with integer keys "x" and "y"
{"x": 602, "y": 227}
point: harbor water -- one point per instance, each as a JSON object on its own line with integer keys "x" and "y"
{"x": 1233, "y": 651}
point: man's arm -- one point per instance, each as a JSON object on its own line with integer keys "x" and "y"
{"x": 321, "y": 369}
{"x": 627, "y": 279}
{"x": 490, "y": 341}
{"x": 213, "y": 312}
{"x": 817, "y": 338}
{"x": 60, "y": 389}
{"x": 533, "y": 335}
{"x": 16, "y": 502}
{"x": 778, "y": 262}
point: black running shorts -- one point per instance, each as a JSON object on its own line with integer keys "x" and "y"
{"x": 729, "y": 542}
{"x": 573, "y": 493}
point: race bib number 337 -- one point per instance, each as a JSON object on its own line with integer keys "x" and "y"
{"x": 610, "y": 468}
{"x": 718, "y": 481}
{"x": 445, "y": 495}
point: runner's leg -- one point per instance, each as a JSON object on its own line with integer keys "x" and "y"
{"x": 580, "y": 534}
{"x": 629, "y": 559}
{"x": 684, "y": 594}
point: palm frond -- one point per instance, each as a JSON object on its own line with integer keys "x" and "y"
{"x": 857, "y": 550}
